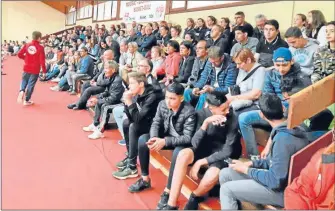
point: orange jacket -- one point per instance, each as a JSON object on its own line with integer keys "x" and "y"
{"x": 170, "y": 66}
{"x": 314, "y": 188}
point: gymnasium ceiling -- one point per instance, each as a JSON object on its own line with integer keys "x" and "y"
{"x": 60, "y": 5}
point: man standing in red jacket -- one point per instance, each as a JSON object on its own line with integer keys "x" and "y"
{"x": 34, "y": 58}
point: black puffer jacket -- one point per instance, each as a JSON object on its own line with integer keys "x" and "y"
{"x": 113, "y": 93}
{"x": 184, "y": 122}
{"x": 143, "y": 111}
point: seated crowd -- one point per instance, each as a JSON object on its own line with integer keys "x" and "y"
{"x": 197, "y": 94}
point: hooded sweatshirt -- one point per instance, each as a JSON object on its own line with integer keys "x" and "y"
{"x": 293, "y": 82}
{"x": 304, "y": 56}
{"x": 272, "y": 172}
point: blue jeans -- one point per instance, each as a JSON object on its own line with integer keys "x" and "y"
{"x": 118, "y": 116}
{"x": 28, "y": 82}
{"x": 246, "y": 122}
{"x": 189, "y": 97}
{"x": 62, "y": 82}
{"x": 55, "y": 71}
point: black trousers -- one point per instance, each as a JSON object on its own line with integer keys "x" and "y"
{"x": 132, "y": 132}
{"x": 86, "y": 92}
{"x": 144, "y": 155}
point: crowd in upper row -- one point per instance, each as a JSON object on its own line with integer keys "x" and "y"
{"x": 219, "y": 80}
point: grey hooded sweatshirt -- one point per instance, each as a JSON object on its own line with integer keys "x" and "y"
{"x": 304, "y": 56}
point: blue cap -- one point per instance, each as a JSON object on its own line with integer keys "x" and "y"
{"x": 282, "y": 55}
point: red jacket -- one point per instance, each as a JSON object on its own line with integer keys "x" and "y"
{"x": 34, "y": 57}
{"x": 314, "y": 188}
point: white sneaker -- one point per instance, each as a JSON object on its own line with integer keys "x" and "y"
{"x": 96, "y": 135}
{"x": 28, "y": 103}
{"x": 55, "y": 88}
{"x": 20, "y": 97}
{"x": 90, "y": 128}
{"x": 55, "y": 80}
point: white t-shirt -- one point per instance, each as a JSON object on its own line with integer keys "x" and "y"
{"x": 217, "y": 70}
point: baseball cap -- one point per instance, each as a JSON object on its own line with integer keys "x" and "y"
{"x": 282, "y": 55}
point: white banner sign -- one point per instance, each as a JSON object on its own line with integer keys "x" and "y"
{"x": 142, "y": 11}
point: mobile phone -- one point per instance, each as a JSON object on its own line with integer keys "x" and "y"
{"x": 229, "y": 161}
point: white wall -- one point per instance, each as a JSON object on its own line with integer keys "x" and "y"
{"x": 21, "y": 18}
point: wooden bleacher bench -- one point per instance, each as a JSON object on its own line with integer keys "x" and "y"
{"x": 162, "y": 160}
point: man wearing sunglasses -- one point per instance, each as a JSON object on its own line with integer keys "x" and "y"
{"x": 285, "y": 80}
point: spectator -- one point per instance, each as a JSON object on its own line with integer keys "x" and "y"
{"x": 145, "y": 66}
{"x": 266, "y": 177}
{"x": 201, "y": 29}
{"x": 134, "y": 26}
{"x": 165, "y": 37}
{"x": 316, "y": 179}
{"x": 285, "y": 80}
{"x": 106, "y": 101}
{"x": 200, "y": 63}
{"x": 132, "y": 36}
{"x": 103, "y": 47}
{"x": 114, "y": 46}
{"x": 300, "y": 21}
{"x": 139, "y": 30}
{"x": 210, "y": 22}
{"x": 243, "y": 41}
{"x": 250, "y": 81}
{"x": 324, "y": 58}
{"x": 80, "y": 43}
{"x": 148, "y": 41}
{"x": 175, "y": 33}
{"x": 302, "y": 49}
{"x": 177, "y": 119}
{"x": 133, "y": 58}
{"x": 259, "y": 29}
{"x": 186, "y": 63}
{"x": 85, "y": 72}
{"x": 123, "y": 57}
{"x": 224, "y": 23}
{"x": 191, "y": 37}
{"x": 219, "y": 77}
{"x": 272, "y": 41}
{"x": 155, "y": 28}
{"x": 218, "y": 40}
{"x": 122, "y": 36}
{"x": 216, "y": 139}
{"x": 156, "y": 59}
{"x": 95, "y": 86}
{"x": 317, "y": 30}
{"x": 190, "y": 26}
{"x": 240, "y": 21}
{"x": 170, "y": 66}
{"x": 139, "y": 116}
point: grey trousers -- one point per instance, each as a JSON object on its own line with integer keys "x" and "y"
{"x": 72, "y": 77}
{"x": 240, "y": 187}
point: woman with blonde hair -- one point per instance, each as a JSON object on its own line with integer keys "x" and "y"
{"x": 156, "y": 59}
{"x": 133, "y": 59}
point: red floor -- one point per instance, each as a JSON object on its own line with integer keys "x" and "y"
{"x": 49, "y": 163}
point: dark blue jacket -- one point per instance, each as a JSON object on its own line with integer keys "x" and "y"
{"x": 148, "y": 42}
{"x": 273, "y": 82}
{"x": 226, "y": 77}
{"x": 272, "y": 172}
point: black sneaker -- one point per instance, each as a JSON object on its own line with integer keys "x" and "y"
{"x": 70, "y": 89}
{"x": 163, "y": 201}
{"x": 168, "y": 207}
{"x": 139, "y": 186}
{"x": 193, "y": 202}
{"x": 71, "y": 106}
